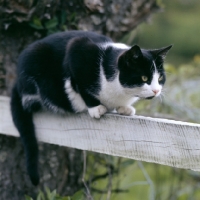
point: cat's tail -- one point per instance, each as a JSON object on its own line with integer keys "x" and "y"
{"x": 24, "y": 123}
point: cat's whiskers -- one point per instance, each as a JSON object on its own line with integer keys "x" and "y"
{"x": 163, "y": 91}
{"x": 160, "y": 97}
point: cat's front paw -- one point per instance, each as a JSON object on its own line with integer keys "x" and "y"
{"x": 97, "y": 112}
{"x": 126, "y": 110}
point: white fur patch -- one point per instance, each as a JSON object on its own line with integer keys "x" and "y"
{"x": 97, "y": 112}
{"x": 126, "y": 110}
{"x": 155, "y": 86}
{"x": 113, "y": 95}
{"x": 148, "y": 90}
{"x": 75, "y": 98}
{"x": 47, "y": 104}
{"x": 112, "y": 44}
{"x": 28, "y": 99}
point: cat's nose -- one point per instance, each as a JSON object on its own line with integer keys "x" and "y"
{"x": 156, "y": 91}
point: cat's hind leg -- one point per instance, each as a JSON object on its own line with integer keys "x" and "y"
{"x": 31, "y": 102}
{"x": 53, "y": 96}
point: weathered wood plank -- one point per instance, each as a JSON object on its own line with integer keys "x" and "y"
{"x": 162, "y": 141}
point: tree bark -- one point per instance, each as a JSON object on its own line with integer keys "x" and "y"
{"x": 22, "y": 22}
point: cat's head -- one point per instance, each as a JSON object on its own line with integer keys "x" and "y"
{"x": 143, "y": 71}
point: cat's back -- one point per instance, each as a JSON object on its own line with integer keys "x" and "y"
{"x": 51, "y": 49}
{"x": 58, "y": 41}
{"x": 64, "y": 37}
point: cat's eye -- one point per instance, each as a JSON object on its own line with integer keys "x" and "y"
{"x": 160, "y": 78}
{"x": 144, "y": 78}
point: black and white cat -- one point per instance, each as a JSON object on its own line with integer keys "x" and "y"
{"x": 80, "y": 71}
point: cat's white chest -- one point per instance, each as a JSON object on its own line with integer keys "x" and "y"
{"x": 113, "y": 95}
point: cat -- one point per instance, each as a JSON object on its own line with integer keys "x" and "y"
{"x": 79, "y": 71}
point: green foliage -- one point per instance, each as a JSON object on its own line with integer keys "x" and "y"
{"x": 28, "y": 198}
{"x": 52, "y": 23}
{"x": 59, "y": 22}
{"x": 78, "y": 196}
{"x": 177, "y": 25}
{"x": 36, "y": 24}
{"x": 48, "y": 195}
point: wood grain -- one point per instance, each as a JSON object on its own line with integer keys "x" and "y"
{"x": 162, "y": 141}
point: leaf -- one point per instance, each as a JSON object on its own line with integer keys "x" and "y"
{"x": 127, "y": 163}
{"x": 78, "y": 195}
{"x": 64, "y": 27}
{"x": 63, "y": 17}
{"x": 51, "y": 31}
{"x": 72, "y": 17}
{"x": 41, "y": 196}
{"x": 53, "y": 195}
{"x": 28, "y": 198}
{"x": 48, "y": 193}
{"x": 36, "y": 24}
{"x": 52, "y": 23}
{"x": 66, "y": 198}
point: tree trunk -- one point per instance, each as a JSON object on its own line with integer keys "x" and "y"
{"x": 22, "y": 22}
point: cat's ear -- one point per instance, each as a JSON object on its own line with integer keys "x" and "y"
{"x": 130, "y": 57}
{"x": 161, "y": 52}
{"x": 134, "y": 53}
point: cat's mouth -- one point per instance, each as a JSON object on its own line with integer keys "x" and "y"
{"x": 151, "y": 97}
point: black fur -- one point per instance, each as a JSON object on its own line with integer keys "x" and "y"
{"x": 24, "y": 123}
{"x": 44, "y": 66}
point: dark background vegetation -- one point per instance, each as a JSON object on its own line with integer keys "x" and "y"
{"x": 105, "y": 177}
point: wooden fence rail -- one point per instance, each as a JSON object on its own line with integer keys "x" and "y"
{"x": 162, "y": 141}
